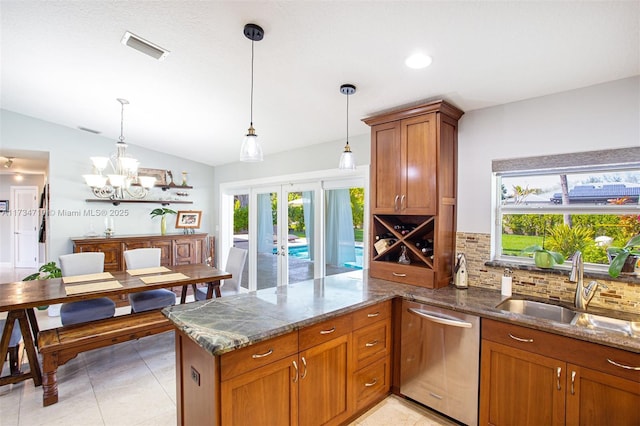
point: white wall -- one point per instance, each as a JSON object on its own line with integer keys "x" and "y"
{"x": 594, "y": 118}
{"x": 70, "y": 150}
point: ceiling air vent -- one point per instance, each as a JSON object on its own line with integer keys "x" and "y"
{"x": 144, "y": 46}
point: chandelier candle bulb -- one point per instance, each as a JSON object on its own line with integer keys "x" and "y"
{"x": 507, "y": 282}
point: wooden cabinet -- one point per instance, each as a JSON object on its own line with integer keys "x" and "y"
{"x": 531, "y": 377}
{"x": 323, "y": 374}
{"x": 413, "y": 193}
{"x": 175, "y": 249}
{"x": 371, "y": 354}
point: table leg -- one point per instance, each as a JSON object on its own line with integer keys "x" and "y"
{"x": 34, "y": 366}
{"x": 213, "y": 286}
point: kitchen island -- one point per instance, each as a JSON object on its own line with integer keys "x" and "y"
{"x": 277, "y": 320}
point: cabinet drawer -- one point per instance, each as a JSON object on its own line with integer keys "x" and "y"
{"x": 405, "y": 274}
{"x": 371, "y": 314}
{"x": 372, "y": 382}
{"x": 371, "y": 342}
{"x": 255, "y": 356}
{"x": 590, "y": 355}
{"x": 324, "y": 331}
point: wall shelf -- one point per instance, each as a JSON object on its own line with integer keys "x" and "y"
{"x": 117, "y": 202}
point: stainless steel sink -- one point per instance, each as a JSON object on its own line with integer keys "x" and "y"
{"x": 538, "y": 310}
{"x": 630, "y": 328}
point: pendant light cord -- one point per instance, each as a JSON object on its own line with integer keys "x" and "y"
{"x": 251, "y": 121}
{"x": 347, "y": 119}
{"x": 122, "y": 122}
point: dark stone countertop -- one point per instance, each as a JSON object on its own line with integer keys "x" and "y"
{"x": 232, "y": 322}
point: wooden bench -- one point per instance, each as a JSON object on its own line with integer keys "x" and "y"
{"x": 59, "y": 345}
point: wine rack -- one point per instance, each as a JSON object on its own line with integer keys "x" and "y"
{"x": 414, "y": 232}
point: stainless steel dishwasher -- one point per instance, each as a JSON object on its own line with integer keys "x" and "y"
{"x": 440, "y": 357}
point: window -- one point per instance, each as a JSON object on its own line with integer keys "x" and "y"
{"x": 562, "y": 206}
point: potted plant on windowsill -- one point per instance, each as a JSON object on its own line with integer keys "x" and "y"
{"x": 544, "y": 258}
{"x": 162, "y": 212}
{"x": 46, "y": 271}
{"x": 624, "y": 259}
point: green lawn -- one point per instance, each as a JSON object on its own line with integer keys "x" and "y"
{"x": 513, "y": 244}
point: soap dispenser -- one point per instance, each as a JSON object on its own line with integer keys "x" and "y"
{"x": 460, "y": 272}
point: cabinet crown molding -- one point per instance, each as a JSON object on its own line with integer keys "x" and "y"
{"x": 440, "y": 106}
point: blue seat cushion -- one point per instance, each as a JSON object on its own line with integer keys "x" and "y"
{"x": 15, "y": 333}
{"x": 87, "y": 310}
{"x": 151, "y": 299}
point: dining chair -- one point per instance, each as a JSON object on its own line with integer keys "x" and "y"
{"x": 14, "y": 347}
{"x": 150, "y": 299}
{"x": 235, "y": 266}
{"x": 84, "y": 310}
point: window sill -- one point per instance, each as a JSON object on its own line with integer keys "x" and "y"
{"x": 564, "y": 269}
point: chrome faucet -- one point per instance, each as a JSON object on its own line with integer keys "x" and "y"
{"x": 584, "y": 294}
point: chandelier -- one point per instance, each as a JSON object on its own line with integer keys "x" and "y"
{"x": 123, "y": 178}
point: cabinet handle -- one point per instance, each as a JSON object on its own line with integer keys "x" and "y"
{"x": 304, "y": 363}
{"x": 371, "y": 344}
{"x": 402, "y": 202}
{"x": 395, "y": 203}
{"x": 331, "y": 330}
{"x": 558, "y": 374}
{"x": 628, "y": 367}
{"x": 395, "y": 274}
{"x": 373, "y": 315}
{"x": 256, "y": 356}
{"x": 295, "y": 366}
{"x": 573, "y": 382}
{"x": 520, "y": 339}
{"x": 373, "y": 383}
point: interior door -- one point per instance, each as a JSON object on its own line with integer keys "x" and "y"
{"x": 24, "y": 204}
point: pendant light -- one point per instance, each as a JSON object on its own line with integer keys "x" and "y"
{"x": 347, "y": 159}
{"x": 251, "y": 151}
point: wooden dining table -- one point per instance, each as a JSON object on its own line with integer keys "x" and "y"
{"x": 20, "y": 298}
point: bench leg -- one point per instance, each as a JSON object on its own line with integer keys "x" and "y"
{"x": 49, "y": 378}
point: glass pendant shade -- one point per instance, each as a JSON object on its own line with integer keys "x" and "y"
{"x": 95, "y": 181}
{"x": 251, "y": 151}
{"x": 100, "y": 163}
{"x": 147, "y": 181}
{"x": 347, "y": 159}
{"x": 117, "y": 181}
{"x": 129, "y": 165}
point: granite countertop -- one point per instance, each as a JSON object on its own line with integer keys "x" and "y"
{"x": 232, "y": 322}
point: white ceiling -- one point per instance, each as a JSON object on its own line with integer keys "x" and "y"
{"x": 62, "y": 61}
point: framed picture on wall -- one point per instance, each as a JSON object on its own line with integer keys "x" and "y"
{"x": 4, "y": 206}
{"x": 159, "y": 174}
{"x": 188, "y": 219}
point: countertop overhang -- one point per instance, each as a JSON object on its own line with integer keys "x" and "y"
{"x": 232, "y": 322}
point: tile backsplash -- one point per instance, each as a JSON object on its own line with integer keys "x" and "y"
{"x": 622, "y": 296}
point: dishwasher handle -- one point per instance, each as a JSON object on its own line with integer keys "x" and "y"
{"x": 432, "y": 316}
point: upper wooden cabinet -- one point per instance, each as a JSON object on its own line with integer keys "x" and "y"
{"x": 413, "y": 193}
{"x": 176, "y": 249}
{"x": 413, "y": 159}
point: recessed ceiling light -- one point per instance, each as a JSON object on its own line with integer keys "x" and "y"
{"x": 418, "y": 61}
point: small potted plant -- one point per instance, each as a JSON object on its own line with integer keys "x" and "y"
{"x": 624, "y": 259}
{"x": 46, "y": 271}
{"x": 544, "y": 258}
{"x": 162, "y": 212}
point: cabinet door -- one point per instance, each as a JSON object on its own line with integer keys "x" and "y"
{"x": 520, "y": 388}
{"x": 595, "y": 398}
{"x": 185, "y": 251}
{"x": 113, "y": 258}
{"x": 386, "y": 168}
{"x": 419, "y": 158}
{"x": 166, "y": 258}
{"x": 325, "y": 386}
{"x": 265, "y": 396}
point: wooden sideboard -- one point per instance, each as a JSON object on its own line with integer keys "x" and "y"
{"x": 177, "y": 249}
